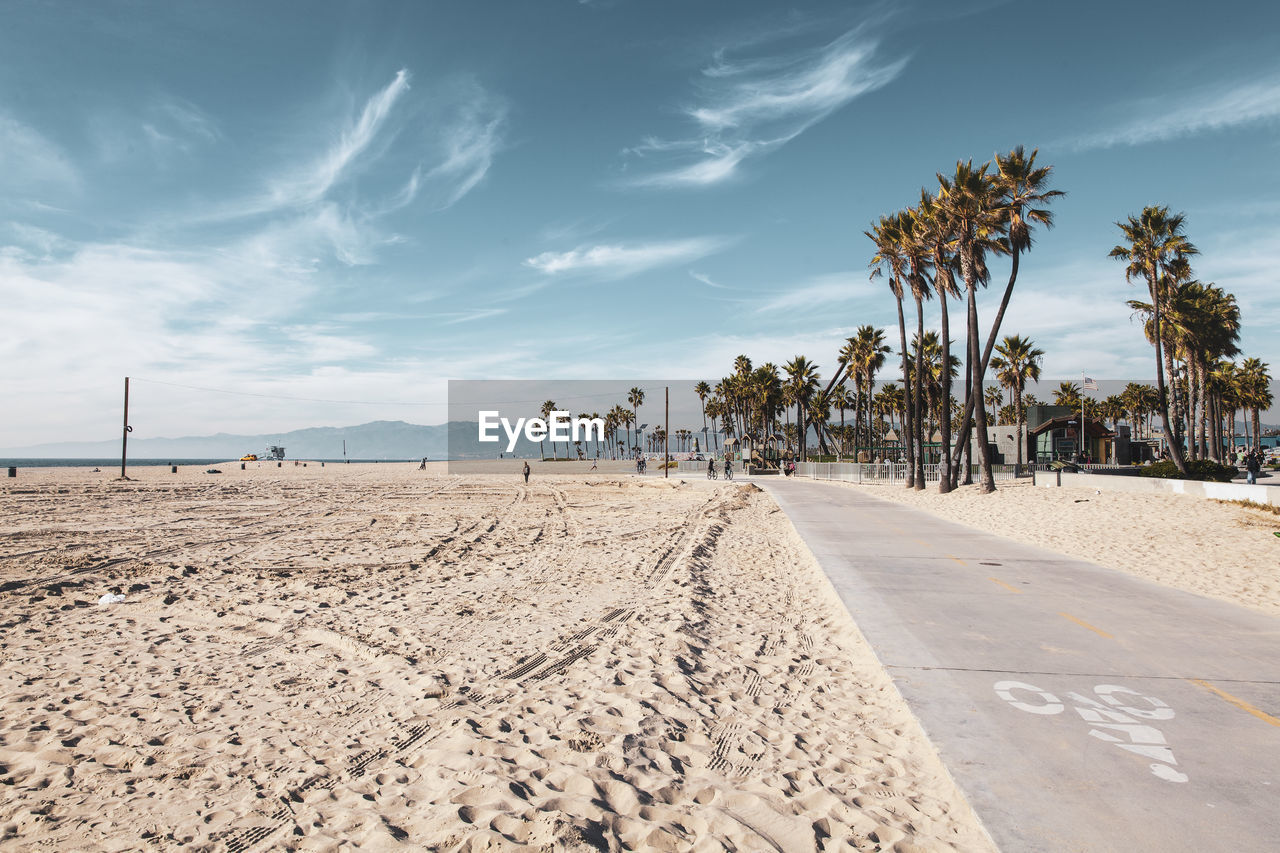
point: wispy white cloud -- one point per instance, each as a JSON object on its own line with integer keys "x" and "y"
{"x": 1208, "y": 109}
{"x": 444, "y": 141}
{"x": 706, "y": 279}
{"x": 620, "y": 261}
{"x": 471, "y": 137}
{"x": 453, "y": 318}
{"x": 819, "y": 293}
{"x": 29, "y": 160}
{"x": 754, "y": 105}
{"x": 311, "y": 183}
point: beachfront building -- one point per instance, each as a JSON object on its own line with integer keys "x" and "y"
{"x": 1060, "y": 437}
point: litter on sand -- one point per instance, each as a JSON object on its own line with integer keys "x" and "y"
{"x": 111, "y": 598}
{"x": 213, "y": 471}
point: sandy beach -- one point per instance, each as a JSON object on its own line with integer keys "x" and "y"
{"x": 1213, "y": 548}
{"x": 375, "y": 656}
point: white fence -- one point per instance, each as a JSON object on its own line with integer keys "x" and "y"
{"x": 884, "y": 472}
{"x": 850, "y": 472}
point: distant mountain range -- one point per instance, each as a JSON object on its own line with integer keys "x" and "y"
{"x": 376, "y": 440}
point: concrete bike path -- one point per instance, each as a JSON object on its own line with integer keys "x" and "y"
{"x": 1078, "y": 708}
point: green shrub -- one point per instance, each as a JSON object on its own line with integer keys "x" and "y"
{"x": 1197, "y": 469}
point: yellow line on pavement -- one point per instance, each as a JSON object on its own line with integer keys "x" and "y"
{"x": 924, "y": 543}
{"x": 957, "y": 559}
{"x": 1239, "y": 703}
{"x": 1085, "y": 624}
{"x": 1006, "y": 586}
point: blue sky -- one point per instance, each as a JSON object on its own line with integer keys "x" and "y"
{"x": 359, "y": 201}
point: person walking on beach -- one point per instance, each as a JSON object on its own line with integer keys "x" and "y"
{"x": 593, "y": 463}
{"x": 1253, "y": 466}
{"x": 526, "y": 472}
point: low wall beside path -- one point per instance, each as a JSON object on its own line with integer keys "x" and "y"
{"x": 1234, "y": 491}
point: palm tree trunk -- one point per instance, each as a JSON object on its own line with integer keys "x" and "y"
{"x": 1175, "y": 451}
{"x": 1021, "y": 414}
{"x": 988, "y": 483}
{"x": 944, "y": 415}
{"x": 966, "y": 423}
{"x": 907, "y": 439}
{"x": 919, "y": 415}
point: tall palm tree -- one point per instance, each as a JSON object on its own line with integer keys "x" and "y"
{"x": 818, "y": 413}
{"x": 1019, "y": 361}
{"x": 1023, "y": 189}
{"x": 872, "y": 351}
{"x": 917, "y": 260}
{"x": 595, "y": 416}
{"x": 842, "y": 399}
{"x": 1155, "y": 244}
{"x": 547, "y": 408}
{"x": 934, "y": 234}
{"x": 703, "y": 390}
{"x": 635, "y": 397}
{"x": 802, "y": 379}
{"x": 886, "y": 235}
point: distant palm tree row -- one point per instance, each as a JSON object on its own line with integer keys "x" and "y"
{"x": 1194, "y": 328}
{"x": 945, "y": 242}
{"x": 618, "y": 422}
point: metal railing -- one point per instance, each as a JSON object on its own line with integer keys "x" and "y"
{"x": 884, "y": 472}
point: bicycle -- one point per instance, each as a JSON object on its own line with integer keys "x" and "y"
{"x": 728, "y": 470}
{"x": 711, "y": 473}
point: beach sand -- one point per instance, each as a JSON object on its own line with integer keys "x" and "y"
{"x": 371, "y": 655}
{"x": 1213, "y": 548}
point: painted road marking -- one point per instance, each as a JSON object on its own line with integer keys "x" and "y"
{"x": 1118, "y": 724}
{"x": 924, "y": 543}
{"x": 957, "y": 559}
{"x": 1238, "y": 702}
{"x": 1006, "y": 586}
{"x": 1085, "y": 624}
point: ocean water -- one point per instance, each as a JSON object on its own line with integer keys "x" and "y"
{"x": 106, "y": 464}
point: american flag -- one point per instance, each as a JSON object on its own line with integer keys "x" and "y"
{"x": 1090, "y": 384}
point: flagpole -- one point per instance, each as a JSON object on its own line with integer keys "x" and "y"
{"x": 1083, "y": 379}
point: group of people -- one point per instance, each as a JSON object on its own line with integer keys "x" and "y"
{"x": 1252, "y": 465}
{"x": 712, "y": 470}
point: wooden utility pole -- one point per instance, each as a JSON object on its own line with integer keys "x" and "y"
{"x": 124, "y": 443}
{"x": 666, "y": 436}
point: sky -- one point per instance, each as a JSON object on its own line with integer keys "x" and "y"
{"x": 332, "y": 208}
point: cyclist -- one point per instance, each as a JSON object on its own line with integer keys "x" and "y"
{"x": 728, "y": 467}
{"x": 711, "y": 468}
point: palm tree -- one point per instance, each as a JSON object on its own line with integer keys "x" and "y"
{"x": 1255, "y": 382}
{"x": 1155, "y": 246}
{"x": 547, "y": 408}
{"x": 842, "y": 399}
{"x": 1067, "y": 394}
{"x": 974, "y": 209}
{"x": 703, "y": 390}
{"x": 802, "y": 379}
{"x": 886, "y": 236}
{"x": 871, "y": 350}
{"x": 1020, "y": 186}
{"x": 1018, "y": 362}
{"x": 917, "y": 259}
{"x": 635, "y": 397}
{"x": 934, "y": 234}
